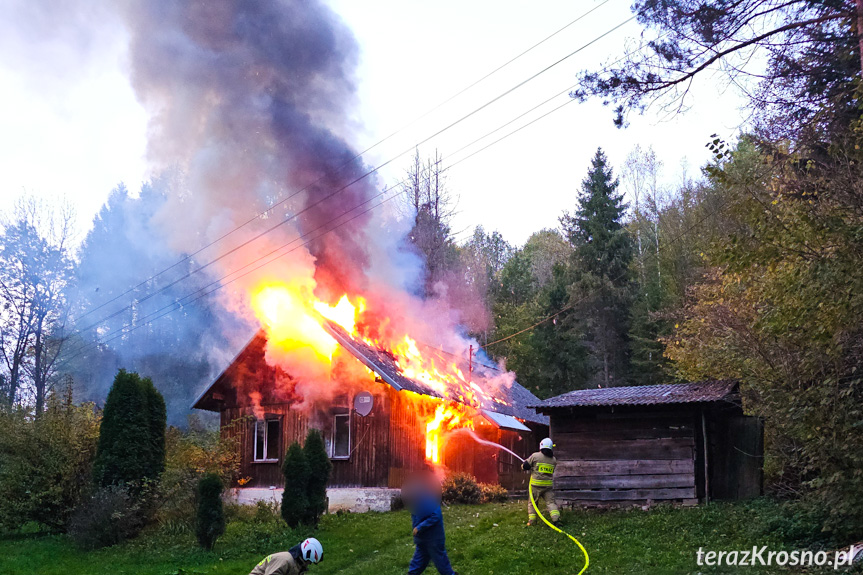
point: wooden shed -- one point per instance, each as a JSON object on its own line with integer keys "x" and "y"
{"x": 685, "y": 443}
{"x": 376, "y": 449}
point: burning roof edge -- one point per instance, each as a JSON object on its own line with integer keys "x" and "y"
{"x": 201, "y": 401}
{"x": 674, "y": 393}
{"x": 520, "y": 410}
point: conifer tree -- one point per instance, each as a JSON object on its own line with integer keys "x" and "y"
{"x": 295, "y": 503}
{"x": 131, "y": 447}
{"x": 210, "y": 518}
{"x": 600, "y": 291}
{"x": 319, "y": 474}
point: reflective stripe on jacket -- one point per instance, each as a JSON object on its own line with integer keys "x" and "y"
{"x": 541, "y": 469}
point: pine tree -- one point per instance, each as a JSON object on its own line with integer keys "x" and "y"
{"x": 210, "y": 517}
{"x": 131, "y": 446}
{"x": 319, "y": 474}
{"x": 295, "y": 503}
{"x": 600, "y": 292}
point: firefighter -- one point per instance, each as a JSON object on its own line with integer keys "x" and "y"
{"x": 292, "y": 562}
{"x": 541, "y": 466}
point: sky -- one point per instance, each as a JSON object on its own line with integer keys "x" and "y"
{"x": 70, "y": 125}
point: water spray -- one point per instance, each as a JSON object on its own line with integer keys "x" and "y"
{"x": 479, "y": 439}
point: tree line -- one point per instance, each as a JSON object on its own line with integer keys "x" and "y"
{"x": 751, "y": 271}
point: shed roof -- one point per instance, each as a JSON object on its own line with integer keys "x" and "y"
{"x": 697, "y": 392}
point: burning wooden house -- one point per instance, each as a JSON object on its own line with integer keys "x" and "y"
{"x": 389, "y": 409}
{"x": 682, "y": 443}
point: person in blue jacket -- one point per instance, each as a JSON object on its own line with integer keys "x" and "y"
{"x": 422, "y": 496}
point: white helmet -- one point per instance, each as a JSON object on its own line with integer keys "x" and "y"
{"x": 312, "y": 550}
{"x": 546, "y": 443}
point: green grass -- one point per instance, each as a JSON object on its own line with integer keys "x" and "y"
{"x": 487, "y": 540}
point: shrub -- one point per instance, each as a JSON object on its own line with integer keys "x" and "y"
{"x": 111, "y": 515}
{"x": 132, "y": 435}
{"x": 319, "y": 474}
{"x": 45, "y": 462}
{"x": 493, "y": 493}
{"x": 210, "y": 517}
{"x": 461, "y": 488}
{"x": 189, "y": 455}
{"x": 295, "y": 502}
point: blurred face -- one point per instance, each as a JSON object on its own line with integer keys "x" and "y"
{"x": 418, "y": 485}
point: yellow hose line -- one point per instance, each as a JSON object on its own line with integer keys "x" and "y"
{"x": 556, "y": 528}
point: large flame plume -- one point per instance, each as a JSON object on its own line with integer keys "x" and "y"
{"x": 292, "y": 318}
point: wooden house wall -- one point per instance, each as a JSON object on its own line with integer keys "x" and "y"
{"x": 386, "y": 446}
{"x": 624, "y": 458}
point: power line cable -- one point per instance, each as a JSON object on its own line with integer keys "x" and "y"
{"x": 618, "y": 277}
{"x": 339, "y": 168}
{"x": 339, "y": 190}
{"x": 177, "y": 304}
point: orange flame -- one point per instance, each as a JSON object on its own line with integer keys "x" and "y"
{"x": 291, "y": 316}
{"x": 446, "y": 417}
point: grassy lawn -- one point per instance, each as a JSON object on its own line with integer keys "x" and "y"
{"x": 487, "y": 540}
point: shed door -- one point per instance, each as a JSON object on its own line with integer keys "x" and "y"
{"x": 736, "y": 471}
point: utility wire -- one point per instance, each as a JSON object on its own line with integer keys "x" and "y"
{"x": 341, "y": 167}
{"x": 361, "y": 177}
{"x": 618, "y": 277}
{"x": 339, "y": 190}
{"x": 179, "y": 303}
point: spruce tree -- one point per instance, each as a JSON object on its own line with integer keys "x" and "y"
{"x": 295, "y": 503}
{"x": 319, "y": 474}
{"x": 600, "y": 292}
{"x": 210, "y": 517}
{"x": 131, "y": 447}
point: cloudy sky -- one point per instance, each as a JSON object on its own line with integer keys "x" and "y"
{"x": 70, "y": 125}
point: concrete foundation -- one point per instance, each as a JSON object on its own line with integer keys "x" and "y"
{"x": 352, "y": 499}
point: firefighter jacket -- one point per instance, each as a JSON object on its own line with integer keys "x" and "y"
{"x": 541, "y": 469}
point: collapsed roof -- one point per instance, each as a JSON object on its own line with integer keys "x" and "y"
{"x": 510, "y": 401}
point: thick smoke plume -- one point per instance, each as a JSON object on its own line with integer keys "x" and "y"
{"x": 250, "y": 105}
{"x": 249, "y": 99}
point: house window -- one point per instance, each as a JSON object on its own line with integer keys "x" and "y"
{"x": 341, "y": 443}
{"x": 267, "y": 440}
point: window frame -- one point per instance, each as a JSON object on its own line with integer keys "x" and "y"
{"x": 333, "y": 455}
{"x": 267, "y": 421}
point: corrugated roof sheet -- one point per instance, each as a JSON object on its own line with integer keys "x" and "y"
{"x": 702, "y": 391}
{"x": 512, "y": 400}
{"x": 504, "y": 421}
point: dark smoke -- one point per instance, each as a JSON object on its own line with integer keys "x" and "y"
{"x": 247, "y": 98}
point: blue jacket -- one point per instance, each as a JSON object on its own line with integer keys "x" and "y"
{"x": 427, "y": 518}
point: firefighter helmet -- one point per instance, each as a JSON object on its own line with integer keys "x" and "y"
{"x": 546, "y": 443}
{"x": 312, "y": 550}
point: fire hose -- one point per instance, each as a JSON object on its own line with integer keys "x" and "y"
{"x": 532, "y": 500}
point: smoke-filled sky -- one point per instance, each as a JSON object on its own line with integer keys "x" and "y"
{"x": 72, "y": 124}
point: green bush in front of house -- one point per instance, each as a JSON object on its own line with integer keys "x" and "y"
{"x": 461, "y": 488}
{"x": 295, "y": 502}
{"x": 210, "y": 523}
{"x": 319, "y": 474}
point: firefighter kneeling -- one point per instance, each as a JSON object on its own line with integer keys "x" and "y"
{"x": 541, "y": 466}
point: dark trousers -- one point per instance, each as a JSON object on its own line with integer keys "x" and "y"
{"x": 434, "y": 551}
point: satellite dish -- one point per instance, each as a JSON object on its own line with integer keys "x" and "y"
{"x": 363, "y": 403}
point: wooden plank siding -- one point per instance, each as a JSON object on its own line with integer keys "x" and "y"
{"x": 386, "y": 445}
{"x": 624, "y": 458}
